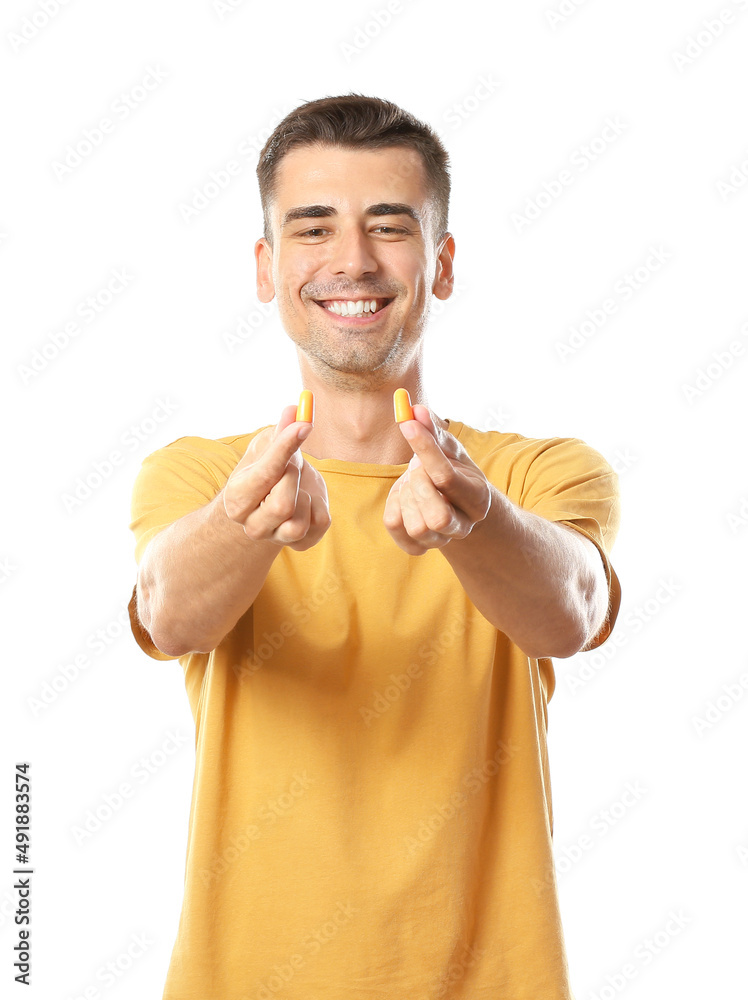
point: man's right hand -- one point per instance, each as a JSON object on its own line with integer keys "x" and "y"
{"x": 274, "y": 493}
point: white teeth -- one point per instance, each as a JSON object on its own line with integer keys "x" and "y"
{"x": 358, "y": 308}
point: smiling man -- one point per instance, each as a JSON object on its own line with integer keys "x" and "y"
{"x": 365, "y": 612}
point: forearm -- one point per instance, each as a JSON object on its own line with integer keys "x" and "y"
{"x": 198, "y": 577}
{"x": 531, "y": 579}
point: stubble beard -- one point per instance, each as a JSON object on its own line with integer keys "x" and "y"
{"x": 355, "y": 357}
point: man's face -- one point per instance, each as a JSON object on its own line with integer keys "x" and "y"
{"x": 354, "y": 225}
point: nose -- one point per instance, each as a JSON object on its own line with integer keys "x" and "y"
{"x": 351, "y": 253}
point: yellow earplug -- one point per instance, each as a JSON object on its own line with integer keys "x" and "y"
{"x": 305, "y": 409}
{"x": 403, "y": 409}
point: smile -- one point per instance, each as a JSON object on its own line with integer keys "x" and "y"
{"x": 357, "y": 311}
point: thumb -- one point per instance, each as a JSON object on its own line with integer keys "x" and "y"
{"x": 288, "y": 417}
{"x": 446, "y": 441}
{"x": 262, "y": 441}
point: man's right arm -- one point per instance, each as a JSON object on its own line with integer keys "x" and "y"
{"x": 197, "y": 577}
{"x": 200, "y": 574}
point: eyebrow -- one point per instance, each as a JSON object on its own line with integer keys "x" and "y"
{"x": 323, "y": 211}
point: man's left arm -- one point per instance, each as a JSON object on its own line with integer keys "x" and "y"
{"x": 540, "y": 582}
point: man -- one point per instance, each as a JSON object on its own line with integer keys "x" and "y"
{"x": 365, "y": 612}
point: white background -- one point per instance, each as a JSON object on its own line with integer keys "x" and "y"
{"x": 516, "y": 94}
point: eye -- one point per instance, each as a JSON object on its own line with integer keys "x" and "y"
{"x": 386, "y": 230}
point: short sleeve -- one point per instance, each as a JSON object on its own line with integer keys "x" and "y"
{"x": 172, "y": 482}
{"x": 571, "y": 482}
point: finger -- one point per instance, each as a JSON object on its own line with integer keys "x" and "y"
{"x": 404, "y": 541}
{"x": 320, "y": 519}
{"x": 288, "y": 417}
{"x": 393, "y": 521}
{"x": 446, "y": 441}
{"x": 314, "y": 484}
{"x": 285, "y": 443}
{"x": 412, "y": 519}
{"x": 392, "y": 516}
{"x": 279, "y": 506}
{"x": 440, "y": 469}
{"x": 436, "y": 511}
{"x": 312, "y": 481}
{"x": 249, "y": 486}
{"x": 319, "y": 522}
{"x": 295, "y": 527}
{"x": 460, "y": 480}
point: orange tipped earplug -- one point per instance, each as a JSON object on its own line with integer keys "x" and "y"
{"x": 403, "y": 409}
{"x": 305, "y": 409}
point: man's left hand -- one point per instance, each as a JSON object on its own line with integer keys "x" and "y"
{"x": 442, "y": 494}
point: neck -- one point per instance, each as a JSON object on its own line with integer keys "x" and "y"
{"x": 360, "y": 426}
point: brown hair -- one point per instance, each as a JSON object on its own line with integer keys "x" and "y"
{"x": 355, "y": 121}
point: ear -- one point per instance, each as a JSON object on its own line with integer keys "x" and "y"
{"x": 445, "y": 279}
{"x": 264, "y": 259}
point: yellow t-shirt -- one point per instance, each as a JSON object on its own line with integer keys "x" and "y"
{"x": 371, "y": 813}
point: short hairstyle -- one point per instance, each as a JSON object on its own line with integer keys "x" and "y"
{"x": 354, "y": 121}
